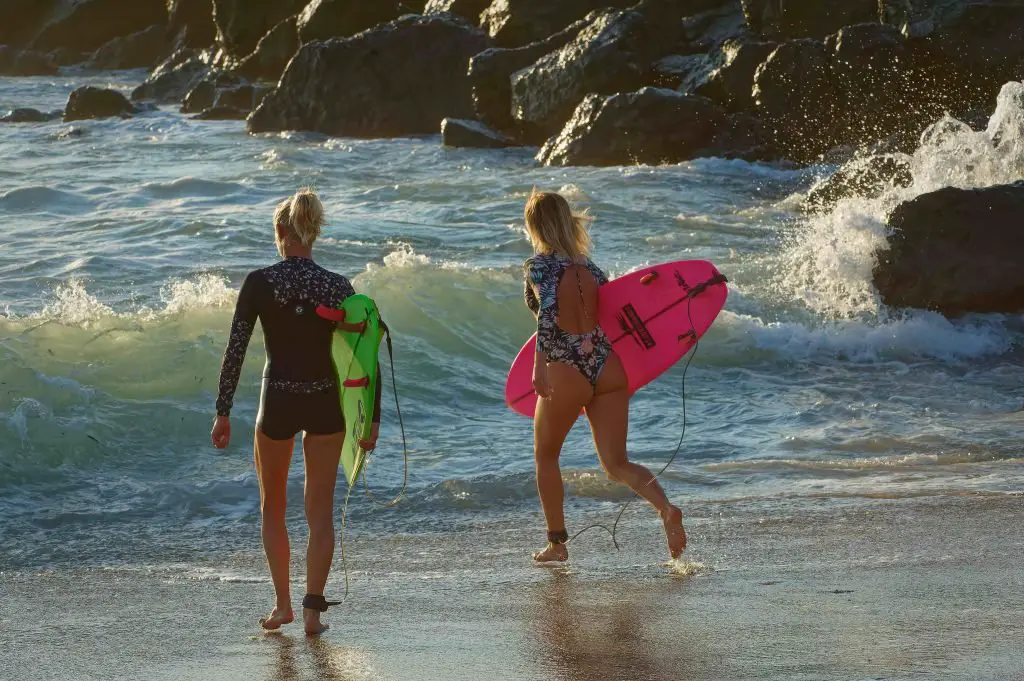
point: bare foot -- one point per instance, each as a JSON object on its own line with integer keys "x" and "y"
{"x": 280, "y": 616}
{"x": 553, "y": 553}
{"x": 674, "y": 532}
{"x": 313, "y": 625}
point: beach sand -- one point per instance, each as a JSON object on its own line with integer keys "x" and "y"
{"x": 926, "y": 588}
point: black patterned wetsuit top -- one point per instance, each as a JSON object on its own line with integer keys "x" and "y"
{"x": 586, "y": 352}
{"x": 284, "y": 297}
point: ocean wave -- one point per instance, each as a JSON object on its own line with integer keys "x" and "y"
{"x": 45, "y": 200}
{"x": 191, "y": 187}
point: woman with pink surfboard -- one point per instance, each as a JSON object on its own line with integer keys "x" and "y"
{"x": 575, "y": 367}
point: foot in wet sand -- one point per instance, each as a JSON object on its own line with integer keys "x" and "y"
{"x": 553, "y": 553}
{"x": 312, "y": 623}
{"x": 278, "y": 618}
{"x": 674, "y": 532}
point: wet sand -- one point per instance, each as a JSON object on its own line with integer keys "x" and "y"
{"x": 927, "y": 588}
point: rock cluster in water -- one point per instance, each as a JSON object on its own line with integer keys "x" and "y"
{"x": 588, "y": 82}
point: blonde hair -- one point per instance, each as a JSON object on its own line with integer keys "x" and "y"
{"x": 302, "y": 216}
{"x": 553, "y": 227}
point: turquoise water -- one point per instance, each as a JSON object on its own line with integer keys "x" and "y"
{"x": 124, "y": 243}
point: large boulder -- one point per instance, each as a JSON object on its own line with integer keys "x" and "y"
{"x": 191, "y": 22}
{"x": 272, "y": 53}
{"x": 93, "y": 102}
{"x": 787, "y": 19}
{"x": 29, "y": 116}
{"x": 208, "y": 91}
{"x": 865, "y": 178}
{"x": 18, "y": 62}
{"x": 651, "y": 126}
{"x": 22, "y": 20}
{"x": 490, "y": 73}
{"x": 87, "y": 25}
{"x": 458, "y": 132}
{"x": 241, "y": 23}
{"x": 144, "y": 49}
{"x": 174, "y": 78}
{"x": 614, "y": 53}
{"x": 325, "y": 19}
{"x": 378, "y": 83}
{"x": 467, "y": 9}
{"x": 956, "y": 251}
{"x": 513, "y": 23}
{"x": 731, "y": 83}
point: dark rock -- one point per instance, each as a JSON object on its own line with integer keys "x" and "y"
{"x": 22, "y": 20}
{"x": 378, "y": 83}
{"x": 708, "y": 30}
{"x": 786, "y": 19}
{"x": 490, "y": 73}
{"x": 732, "y": 81}
{"x": 144, "y": 49}
{"x": 63, "y": 56}
{"x": 325, "y": 19}
{"x": 241, "y": 23}
{"x": 16, "y": 62}
{"x": 200, "y": 98}
{"x": 246, "y": 97}
{"x": 191, "y": 22}
{"x": 272, "y": 53}
{"x": 175, "y": 78}
{"x": 29, "y": 116}
{"x": 92, "y": 102}
{"x": 87, "y": 25}
{"x": 74, "y": 132}
{"x": 683, "y": 72}
{"x": 614, "y": 53}
{"x": 956, "y": 251}
{"x": 866, "y": 178}
{"x": 222, "y": 113}
{"x": 457, "y": 132}
{"x": 469, "y": 10}
{"x": 742, "y": 136}
{"x": 651, "y": 126}
{"x": 513, "y": 23}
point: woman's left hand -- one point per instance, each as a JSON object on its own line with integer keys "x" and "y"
{"x": 370, "y": 443}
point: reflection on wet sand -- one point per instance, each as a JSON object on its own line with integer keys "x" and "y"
{"x": 315, "y": 658}
{"x": 587, "y": 631}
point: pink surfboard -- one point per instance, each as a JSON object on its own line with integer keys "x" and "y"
{"x": 647, "y": 315}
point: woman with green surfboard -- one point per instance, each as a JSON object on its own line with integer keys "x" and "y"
{"x": 300, "y": 393}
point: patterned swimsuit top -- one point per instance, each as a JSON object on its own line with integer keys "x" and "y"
{"x": 284, "y": 297}
{"x": 543, "y": 275}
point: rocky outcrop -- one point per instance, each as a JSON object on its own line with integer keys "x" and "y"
{"x": 17, "y": 62}
{"x": 200, "y": 98}
{"x": 731, "y": 82}
{"x": 22, "y": 20}
{"x": 92, "y": 102}
{"x": 29, "y": 116}
{"x": 651, "y": 126}
{"x": 222, "y": 113}
{"x": 786, "y": 19}
{"x": 87, "y": 25}
{"x": 377, "y": 84}
{"x": 325, "y": 19}
{"x": 514, "y": 23}
{"x": 458, "y": 132}
{"x": 867, "y": 178}
{"x": 470, "y": 10}
{"x": 956, "y": 251}
{"x": 144, "y": 49}
{"x": 241, "y": 23}
{"x": 175, "y": 78}
{"x": 490, "y": 73}
{"x": 614, "y": 53}
{"x": 272, "y": 53}
{"x": 190, "y": 22}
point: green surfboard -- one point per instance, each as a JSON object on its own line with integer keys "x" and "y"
{"x": 355, "y": 360}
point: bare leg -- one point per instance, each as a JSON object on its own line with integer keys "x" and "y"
{"x": 321, "y": 454}
{"x": 552, "y": 422}
{"x": 273, "y": 458}
{"x": 608, "y": 413}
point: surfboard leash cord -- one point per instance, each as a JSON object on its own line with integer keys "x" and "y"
{"x": 679, "y": 445}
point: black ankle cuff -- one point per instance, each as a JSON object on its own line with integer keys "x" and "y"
{"x": 559, "y": 537}
{"x": 319, "y": 603}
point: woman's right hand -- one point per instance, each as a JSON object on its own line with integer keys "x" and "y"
{"x": 221, "y": 433}
{"x": 540, "y": 377}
